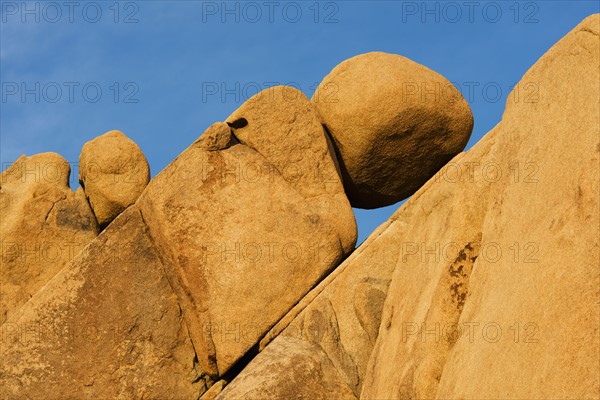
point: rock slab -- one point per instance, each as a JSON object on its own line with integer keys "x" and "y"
{"x": 107, "y": 326}
{"x": 513, "y": 312}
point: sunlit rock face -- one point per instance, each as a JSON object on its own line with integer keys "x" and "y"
{"x": 233, "y": 273}
{"x": 44, "y": 224}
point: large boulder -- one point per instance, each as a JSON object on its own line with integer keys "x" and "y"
{"x": 44, "y": 225}
{"x": 394, "y": 122}
{"x": 282, "y": 125}
{"x": 507, "y": 306}
{"x": 244, "y": 243}
{"x": 113, "y": 172}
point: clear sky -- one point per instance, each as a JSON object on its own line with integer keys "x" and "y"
{"x": 163, "y": 71}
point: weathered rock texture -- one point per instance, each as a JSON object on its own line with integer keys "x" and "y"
{"x": 332, "y": 329}
{"x": 282, "y": 125}
{"x": 237, "y": 227}
{"x": 394, "y": 122}
{"x": 44, "y": 224}
{"x": 309, "y": 374}
{"x": 184, "y": 283}
{"x": 107, "y": 326}
{"x": 215, "y": 284}
{"x": 520, "y": 300}
{"x": 113, "y": 172}
{"x": 479, "y": 263}
{"x": 215, "y": 389}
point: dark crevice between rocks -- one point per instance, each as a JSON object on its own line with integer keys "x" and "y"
{"x": 240, "y": 364}
{"x": 234, "y": 139}
{"x": 337, "y": 159}
{"x": 87, "y": 200}
{"x": 238, "y": 123}
{"x": 333, "y": 151}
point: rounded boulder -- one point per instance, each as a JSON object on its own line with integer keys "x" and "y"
{"x": 394, "y": 122}
{"x": 113, "y": 172}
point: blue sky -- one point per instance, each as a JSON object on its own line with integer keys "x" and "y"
{"x": 150, "y": 68}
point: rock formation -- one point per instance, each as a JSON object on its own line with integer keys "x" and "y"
{"x": 107, "y": 326}
{"x": 198, "y": 253}
{"x": 394, "y": 123}
{"x": 242, "y": 224}
{"x": 533, "y": 241}
{"x": 44, "y": 225}
{"x": 233, "y": 275}
{"x": 479, "y": 263}
{"x": 113, "y": 172}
